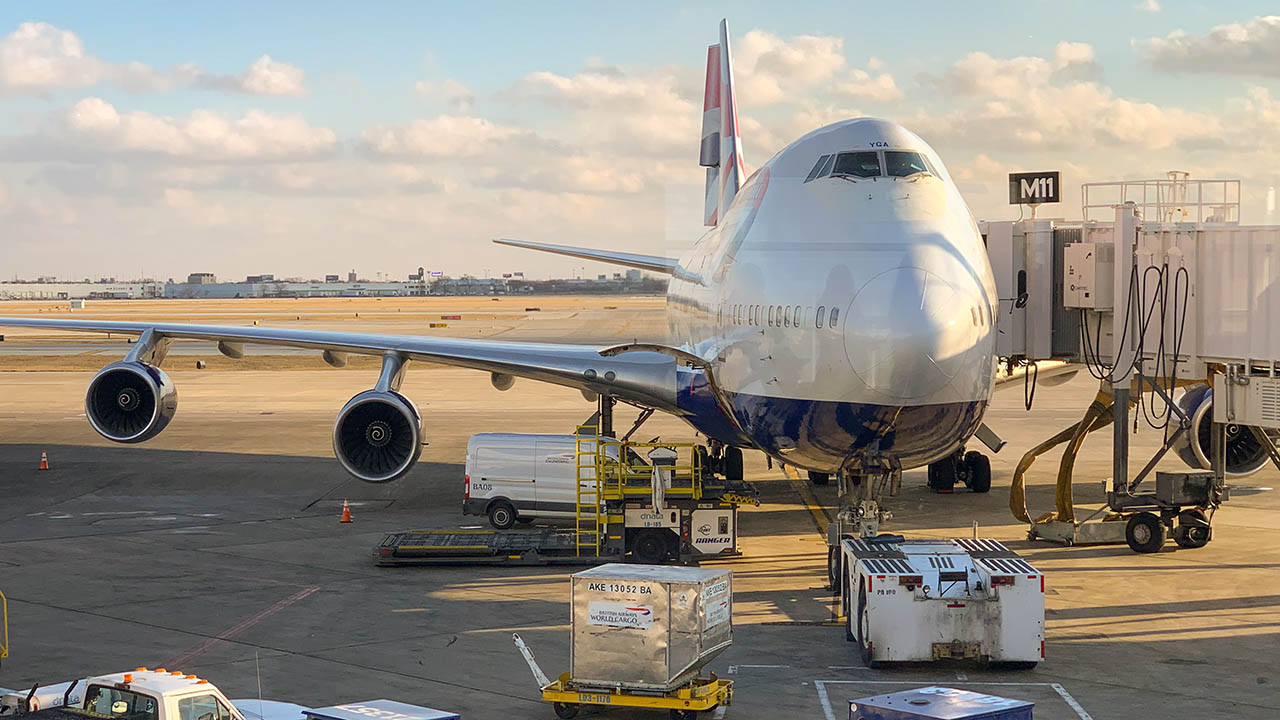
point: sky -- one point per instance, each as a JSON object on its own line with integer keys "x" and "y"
{"x": 155, "y": 139}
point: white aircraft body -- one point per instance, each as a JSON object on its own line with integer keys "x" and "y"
{"x": 838, "y": 314}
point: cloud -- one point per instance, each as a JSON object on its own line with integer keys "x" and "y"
{"x": 770, "y": 69}
{"x": 1055, "y": 103}
{"x": 861, "y": 85}
{"x": 456, "y": 95}
{"x": 1248, "y": 48}
{"x": 38, "y": 58}
{"x": 93, "y": 128}
{"x": 646, "y": 112}
{"x": 272, "y": 77}
{"x": 1149, "y": 6}
{"x": 445, "y": 136}
{"x": 980, "y": 74}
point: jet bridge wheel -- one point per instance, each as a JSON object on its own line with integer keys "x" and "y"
{"x": 1144, "y": 532}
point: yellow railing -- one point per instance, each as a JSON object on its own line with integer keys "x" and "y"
{"x": 613, "y": 470}
{"x": 625, "y": 473}
{"x": 4, "y": 626}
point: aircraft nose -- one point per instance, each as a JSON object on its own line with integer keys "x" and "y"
{"x": 909, "y": 331}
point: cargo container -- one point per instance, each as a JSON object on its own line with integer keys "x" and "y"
{"x": 648, "y": 627}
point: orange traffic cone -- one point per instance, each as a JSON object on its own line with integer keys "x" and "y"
{"x": 44, "y": 460}
{"x": 346, "y": 512}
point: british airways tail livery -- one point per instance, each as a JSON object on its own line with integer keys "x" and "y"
{"x": 837, "y": 315}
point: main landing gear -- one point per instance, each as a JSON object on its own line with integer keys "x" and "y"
{"x": 971, "y": 468}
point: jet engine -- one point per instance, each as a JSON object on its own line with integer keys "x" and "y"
{"x": 1245, "y": 454}
{"x": 378, "y": 436}
{"x": 130, "y": 402}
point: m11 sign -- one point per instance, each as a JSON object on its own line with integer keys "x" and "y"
{"x": 1033, "y": 188}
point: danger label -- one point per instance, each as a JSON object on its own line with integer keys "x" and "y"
{"x": 622, "y": 615}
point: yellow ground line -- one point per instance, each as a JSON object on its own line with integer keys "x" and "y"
{"x": 810, "y": 500}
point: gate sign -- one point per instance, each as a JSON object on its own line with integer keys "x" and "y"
{"x": 1034, "y": 187}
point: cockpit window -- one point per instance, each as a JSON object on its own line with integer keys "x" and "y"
{"x": 857, "y": 164}
{"x": 817, "y": 167}
{"x": 901, "y": 163}
{"x": 826, "y": 166}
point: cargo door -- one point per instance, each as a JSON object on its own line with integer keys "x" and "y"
{"x": 555, "y": 476}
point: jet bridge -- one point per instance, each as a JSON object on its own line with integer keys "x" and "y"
{"x": 1173, "y": 306}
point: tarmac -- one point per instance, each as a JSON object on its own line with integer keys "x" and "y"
{"x": 216, "y": 549}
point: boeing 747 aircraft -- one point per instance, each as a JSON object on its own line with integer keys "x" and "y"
{"x": 837, "y": 315}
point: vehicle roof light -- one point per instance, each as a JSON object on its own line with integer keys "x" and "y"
{"x": 140, "y": 669}
{"x": 128, "y": 678}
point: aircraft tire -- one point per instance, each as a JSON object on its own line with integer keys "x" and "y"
{"x": 733, "y": 464}
{"x": 943, "y": 475}
{"x": 979, "y": 467}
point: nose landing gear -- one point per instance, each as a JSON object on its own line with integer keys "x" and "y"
{"x": 971, "y": 468}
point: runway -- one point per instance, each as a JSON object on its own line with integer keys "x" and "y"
{"x": 217, "y": 547}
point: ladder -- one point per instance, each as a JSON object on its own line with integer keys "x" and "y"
{"x": 590, "y": 520}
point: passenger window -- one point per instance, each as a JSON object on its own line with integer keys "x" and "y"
{"x": 770, "y": 316}
{"x": 786, "y": 317}
{"x": 857, "y": 164}
{"x": 901, "y": 163}
{"x": 799, "y": 314}
{"x": 835, "y": 315}
{"x": 817, "y": 167}
{"x": 822, "y": 313}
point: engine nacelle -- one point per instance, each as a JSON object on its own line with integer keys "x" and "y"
{"x": 378, "y": 436}
{"x": 130, "y": 402}
{"x": 1245, "y": 455}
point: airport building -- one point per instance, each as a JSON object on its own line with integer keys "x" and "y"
{"x": 106, "y": 290}
{"x": 206, "y": 286}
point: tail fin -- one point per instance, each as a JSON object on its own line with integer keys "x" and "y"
{"x": 721, "y": 151}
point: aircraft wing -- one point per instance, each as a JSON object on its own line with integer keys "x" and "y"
{"x": 654, "y": 263}
{"x": 646, "y": 378}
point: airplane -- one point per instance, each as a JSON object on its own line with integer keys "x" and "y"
{"x": 838, "y": 315}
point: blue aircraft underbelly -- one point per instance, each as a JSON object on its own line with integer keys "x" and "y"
{"x": 823, "y": 434}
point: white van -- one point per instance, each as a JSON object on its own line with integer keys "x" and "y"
{"x": 517, "y": 477}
